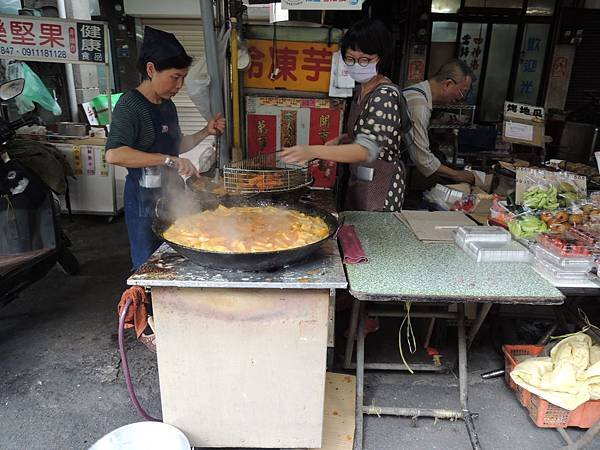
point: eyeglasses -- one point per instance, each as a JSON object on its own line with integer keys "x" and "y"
{"x": 363, "y": 61}
{"x": 460, "y": 91}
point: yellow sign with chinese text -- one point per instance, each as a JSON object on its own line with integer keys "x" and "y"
{"x": 297, "y": 66}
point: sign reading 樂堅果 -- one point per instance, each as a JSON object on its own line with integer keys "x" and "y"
{"x": 52, "y": 40}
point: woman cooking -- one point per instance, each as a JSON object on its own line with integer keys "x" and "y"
{"x": 146, "y": 139}
{"x": 372, "y": 142}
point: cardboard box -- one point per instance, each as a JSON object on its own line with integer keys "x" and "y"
{"x": 523, "y": 124}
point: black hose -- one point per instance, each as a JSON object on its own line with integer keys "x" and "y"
{"x": 126, "y": 373}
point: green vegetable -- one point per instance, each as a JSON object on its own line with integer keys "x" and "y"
{"x": 539, "y": 198}
{"x": 527, "y": 227}
{"x": 568, "y": 198}
{"x": 566, "y": 187}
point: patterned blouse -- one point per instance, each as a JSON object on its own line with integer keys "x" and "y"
{"x": 378, "y": 129}
{"x": 379, "y": 120}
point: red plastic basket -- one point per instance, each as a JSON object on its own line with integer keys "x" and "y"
{"x": 511, "y": 352}
{"x": 543, "y": 413}
{"x": 546, "y": 415}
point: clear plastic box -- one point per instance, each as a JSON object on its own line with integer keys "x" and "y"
{"x": 571, "y": 264}
{"x": 489, "y": 234}
{"x": 557, "y": 274}
{"x": 446, "y": 194}
{"x": 564, "y": 246}
{"x": 494, "y": 252}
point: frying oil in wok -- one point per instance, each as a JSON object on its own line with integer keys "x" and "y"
{"x": 247, "y": 230}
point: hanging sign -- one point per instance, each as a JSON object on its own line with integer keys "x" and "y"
{"x": 297, "y": 66}
{"x": 321, "y": 4}
{"x": 52, "y": 40}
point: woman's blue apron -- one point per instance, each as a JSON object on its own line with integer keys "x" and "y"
{"x": 140, "y": 202}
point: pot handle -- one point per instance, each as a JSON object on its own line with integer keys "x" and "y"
{"x": 339, "y": 227}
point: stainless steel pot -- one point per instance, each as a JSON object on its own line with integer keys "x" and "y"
{"x": 72, "y": 129}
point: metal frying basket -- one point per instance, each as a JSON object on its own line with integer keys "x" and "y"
{"x": 264, "y": 173}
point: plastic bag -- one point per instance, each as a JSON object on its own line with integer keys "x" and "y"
{"x": 198, "y": 79}
{"x": 207, "y": 158}
{"x": 10, "y": 7}
{"x": 34, "y": 90}
{"x": 198, "y": 87}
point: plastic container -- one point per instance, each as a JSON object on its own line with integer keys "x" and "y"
{"x": 543, "y": 413}
{"x": 595, "y": 196}
{"x": 556, "y": 274}
{"x": 491, "y": 234}
{"x": 572, "y": 264}
{"x": 500, "y": 213}
{"x": 583, "y": 235}
{"x": 513, "y": 355}
{"x": 491, "y": 252}
{"x": 564, "y": 246}
{"x": 143, "y": 436}
{"x": 445, "y": 194}
{"x": 547, "y": 415}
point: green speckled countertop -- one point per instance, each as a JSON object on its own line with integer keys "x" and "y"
{"x": 402, "y": 267}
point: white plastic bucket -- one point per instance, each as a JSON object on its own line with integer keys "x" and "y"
{"x": 143, "y": 436}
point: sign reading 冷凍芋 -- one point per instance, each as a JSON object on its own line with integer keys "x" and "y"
{"x": 297, "y": 66}
{"x": 321, "y": 4}
{"x": 52, "y": 40}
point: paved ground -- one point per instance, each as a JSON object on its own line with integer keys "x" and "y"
{"x": 61, "y": 384}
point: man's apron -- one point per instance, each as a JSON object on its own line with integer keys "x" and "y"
{"x": 370, "y": 182}
{"x": 140, "y": 202}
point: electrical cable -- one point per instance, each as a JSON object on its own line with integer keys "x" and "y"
{"x": 125, "y": 365}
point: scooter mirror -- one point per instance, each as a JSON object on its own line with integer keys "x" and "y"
{"x": 11, "y": 88}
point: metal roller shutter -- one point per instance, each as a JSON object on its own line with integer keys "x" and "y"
{"x": 189, "y": 32}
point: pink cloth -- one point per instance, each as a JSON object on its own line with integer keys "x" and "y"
{"x": 351, "y": 246}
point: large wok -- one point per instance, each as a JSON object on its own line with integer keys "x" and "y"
{"x": 254, "y": 262}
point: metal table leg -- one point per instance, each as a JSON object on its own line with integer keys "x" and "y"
{"x": 485, "y": 309}
{"x": 463, "y": 380}
{"x": 360, "y": 374}
{"x": 351, "y": 334}
{"x": 359, "y": 315}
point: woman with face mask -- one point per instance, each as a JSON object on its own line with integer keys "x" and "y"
{"x": 372, "y": 141}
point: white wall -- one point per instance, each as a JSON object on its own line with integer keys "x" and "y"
{"x": 180, "y": 8}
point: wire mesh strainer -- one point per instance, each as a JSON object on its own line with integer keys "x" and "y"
{"x": 264, "y": 173}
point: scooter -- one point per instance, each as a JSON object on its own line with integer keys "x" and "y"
{"x": 31, "y": 237}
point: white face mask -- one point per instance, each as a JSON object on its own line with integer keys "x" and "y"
{"x": 361, "y": 74}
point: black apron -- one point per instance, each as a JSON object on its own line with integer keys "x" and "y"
{"x": 140, "y": 202}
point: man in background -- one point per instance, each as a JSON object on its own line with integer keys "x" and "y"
{"x": 449, "y": 85}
